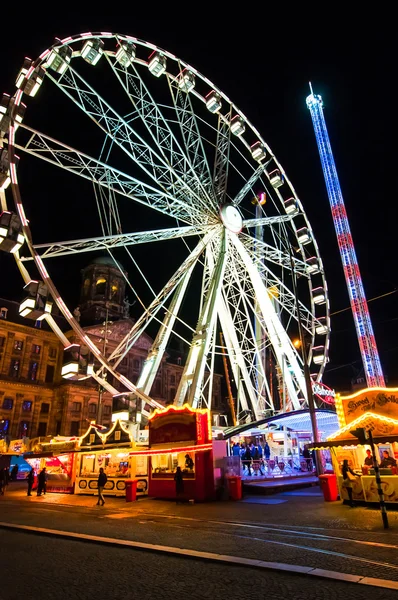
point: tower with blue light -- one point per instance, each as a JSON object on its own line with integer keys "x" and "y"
{"x": 359, "y": 306}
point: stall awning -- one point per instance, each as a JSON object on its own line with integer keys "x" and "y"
{"x": 352, "y": 442}
{"x": 155, "y": 451}
{"x": 38, "y": 455}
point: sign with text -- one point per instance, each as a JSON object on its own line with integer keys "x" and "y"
{"x": 380, "y": 401}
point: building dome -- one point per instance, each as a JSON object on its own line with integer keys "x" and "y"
{"x": 106, "y": 261}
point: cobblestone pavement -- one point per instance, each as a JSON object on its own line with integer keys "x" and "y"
{"x": 57, "y": 569}
{"x": 299, "y": 529}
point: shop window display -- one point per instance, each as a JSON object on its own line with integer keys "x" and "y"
{"x": 165, "y": 465}
{"x": 114, "y": 462}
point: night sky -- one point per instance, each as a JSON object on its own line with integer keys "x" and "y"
{"x": 266, "y": 73}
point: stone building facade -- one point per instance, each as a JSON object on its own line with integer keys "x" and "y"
{"x": 35, "y": 401}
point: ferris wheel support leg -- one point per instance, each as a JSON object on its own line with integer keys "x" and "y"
{"x": 192, "y": 377}
{"x": 279, "y": 339}
{"x": 155, "y": 355}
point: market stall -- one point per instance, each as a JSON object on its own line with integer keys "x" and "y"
{"x": 58, "y": 457}
{"x": 374, "y": 409}
{"x": 180, "y": 437}
{"x": 111, "y": 451}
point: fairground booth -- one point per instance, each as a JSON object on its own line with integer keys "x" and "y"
{"x": 180, "y": 437}
{"x": 73, "y": 464}
{"x": 375, "y": 410}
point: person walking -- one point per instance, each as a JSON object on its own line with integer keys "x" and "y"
{"x": 30, "y": 478}
{"x": 102, "y": 479}
{"x": 178, "y": 478}
{"x": 41, "y": 482}
{"x": 348, "y": 477}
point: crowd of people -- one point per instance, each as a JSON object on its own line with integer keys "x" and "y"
{"x": 255, "y": 457}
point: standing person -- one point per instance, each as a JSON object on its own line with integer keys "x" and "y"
{"x": 348, "y": 478}
{"x": 30, "y": 478}
{"x": 102, "y": 479}
{"x": 369, "y": 459}
{"x": 14, "y": 473}
{"x": 41, "y": 482}
{"x": 236, "y": 449}
{"x": 267, "y": 451}
{"x": 247, "y": 459}
{"x": 178, "y": 478}
{"x": 188, "y": 462}
{"x": 307, "y": 456}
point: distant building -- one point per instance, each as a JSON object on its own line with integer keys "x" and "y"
{"x": 35, "y": 401}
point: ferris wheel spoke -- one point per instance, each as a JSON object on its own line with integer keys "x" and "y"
{"x": 124, "y": 135}
{"x": 261, "y": 221}
{"x": 283, "y": 295}
{"x": 129, "y": 340}
{"x": 152, "y": 362}
{"x": 249, "y": 184}
{"x": 190, "y": 386}
{"x": 157, "y": 125}
{"x": 221, "y": 161}
{"x": 190, "y": 133}
{"x": 239, "y": 305}
{"x": 110, "y": 242}
{"x": 72, "y": 160}
{"x": 264, "y": 251}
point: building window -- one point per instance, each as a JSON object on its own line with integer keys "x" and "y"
{"x": 52, "y": 353}
{"x": 100, "y": 286}
{"x": 136, "y": 364}
{"x": 76, "y": 406}
{"x": 74, "y": 428}
{"x": 3, "y": 312}
{"x": 14, "y": 368}
{"x": 172, "y": 379}
{"x": 18, "y": 345}
{"x": 4, "y": 427}
{"x": 114, "y": 290}
{"x": 34, "y": 367}
{"x": 2, "y": 341}
{"x": 45, "y": 408}
{"x": 107, "y": 410}
{"x": 26, "y": 406}
{"x": 92, "y": 409}
{"x": 8, "y": 403}
{"x": 23, "y": 429}
{"x": 50, "y": 373}
{"x": 57, "y": 427}
{"x": 178, "y": 360}
{"x": 36, "y": 349}
{"x": 42, "y": 429}
{"x": 38, "y": 324}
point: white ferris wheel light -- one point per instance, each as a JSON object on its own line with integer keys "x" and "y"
{"x": 186, "y": 81}
{"x": 258, "y": 151}
{"x": 213, "y": 102}
{"x": 291, "y": 206}
{"x": 276, "y": 179}
{"x": 303, "y": 236}
{"x": 92, "y": 51}
{"x": 59, "y": 59}
{"x": 157, "y": 63}
{"x": 238, "y": 125}
{"x": 125, "y": 54}
{"x": 318, "y": 295}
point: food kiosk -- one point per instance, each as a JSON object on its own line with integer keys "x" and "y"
{"x": 58, "y": 457}
{"x": 375, "y": 410}
{"x": 111, "y": 451}
{"x": 180, "y": 437}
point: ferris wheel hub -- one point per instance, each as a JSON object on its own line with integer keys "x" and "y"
{"x": 231, "y": 218}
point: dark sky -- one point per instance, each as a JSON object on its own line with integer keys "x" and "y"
{"x": 264, "y": 67}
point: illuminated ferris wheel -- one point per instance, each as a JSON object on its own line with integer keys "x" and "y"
{"x": 156, "y": 156}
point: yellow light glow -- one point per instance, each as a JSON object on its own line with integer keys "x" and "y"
{"x": 354, "y": 424}
{"x": 372, "y": 389}
{"x": 297, "y": 343}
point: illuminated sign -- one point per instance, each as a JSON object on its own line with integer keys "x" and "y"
{"x": 324, "y": 393}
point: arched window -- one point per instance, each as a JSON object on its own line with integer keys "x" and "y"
{"x": 100, "y": 286}
{"x": 3, "y": 312}
{"x": 114, "y": 290}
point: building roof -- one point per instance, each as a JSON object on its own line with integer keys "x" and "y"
{"x": 106, "y": 261}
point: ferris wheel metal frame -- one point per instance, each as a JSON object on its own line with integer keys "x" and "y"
{"x": 240, "y": 291}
